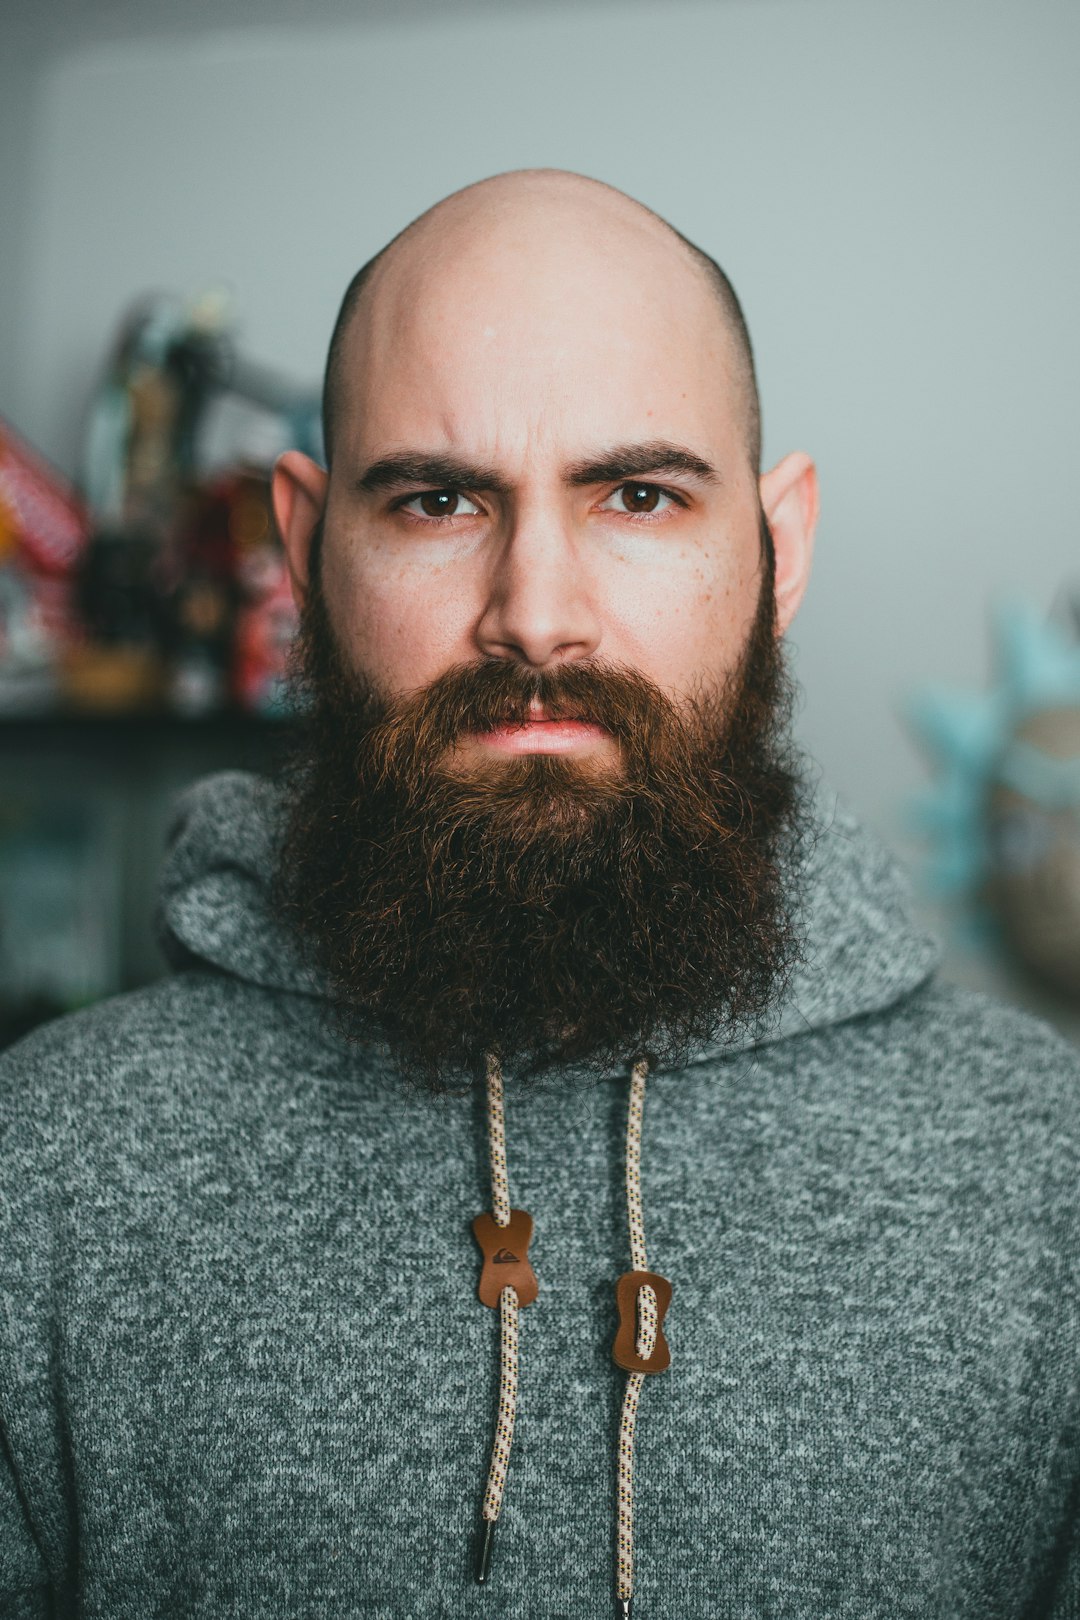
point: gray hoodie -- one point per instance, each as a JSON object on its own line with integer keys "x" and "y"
{"x": 244, "y": 1371}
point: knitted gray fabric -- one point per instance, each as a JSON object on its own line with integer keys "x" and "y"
{"x": 243, "y": 1370}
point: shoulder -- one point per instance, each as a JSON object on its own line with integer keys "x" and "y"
{"x": 183, "y": 1056}
{"x": 966, "y": 1041}
{"x": 961, "y": 1086}
{"x": 145, "y": 1030}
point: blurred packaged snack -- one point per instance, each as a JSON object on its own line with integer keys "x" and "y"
{"x": 44, "y": 530}
{"x": 165, "y": 587}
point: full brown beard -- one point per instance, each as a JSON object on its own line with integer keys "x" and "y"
{"x": 543, "y": 909}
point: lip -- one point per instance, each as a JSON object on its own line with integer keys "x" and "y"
{"x": 543, "y": 736}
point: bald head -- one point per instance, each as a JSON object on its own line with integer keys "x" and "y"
{"x": 536, "y": 237}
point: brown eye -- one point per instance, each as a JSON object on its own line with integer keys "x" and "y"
{"x": 439, "y": 502}
{"x": 640, "y": 497}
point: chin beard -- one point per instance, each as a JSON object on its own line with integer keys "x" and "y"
{"x": 548, "y": 910}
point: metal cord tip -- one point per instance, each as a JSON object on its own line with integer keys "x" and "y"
{"x": 483, "y": 1563}
{"x": 624, "y": 1608}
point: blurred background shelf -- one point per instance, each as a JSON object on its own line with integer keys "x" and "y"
{"x": 229, "y": 733}
{"x": 86, "y": 803}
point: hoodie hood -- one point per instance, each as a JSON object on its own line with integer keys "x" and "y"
{"x": 214, "y": 904}
{"x": 861, "y": 947}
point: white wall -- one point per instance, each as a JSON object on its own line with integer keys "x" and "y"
{"x": 20, "y": 68}
{"x": 891, "y": 187}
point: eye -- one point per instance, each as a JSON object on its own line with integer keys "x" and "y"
{"x": 440, "y": 503}
{"x": 636, "y": 497}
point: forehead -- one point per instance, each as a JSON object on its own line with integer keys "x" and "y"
{"x": 537, "y": 336}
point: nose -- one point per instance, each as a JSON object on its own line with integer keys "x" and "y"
{"x": 539, "y": 607}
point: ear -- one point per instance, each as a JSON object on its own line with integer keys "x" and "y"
{"x": 789, "y": 499}
{"x": 298, "y": 493}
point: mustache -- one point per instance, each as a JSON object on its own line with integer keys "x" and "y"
{"x": 483, "y": 696}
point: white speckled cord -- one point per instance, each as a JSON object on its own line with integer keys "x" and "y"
{"x": 508, "y": 1303}
{"x": 646, "y": 1340}
{"x": 647, "y": 1322}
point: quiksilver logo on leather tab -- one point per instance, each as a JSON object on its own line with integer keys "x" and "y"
{"x": 511, "y": 1264}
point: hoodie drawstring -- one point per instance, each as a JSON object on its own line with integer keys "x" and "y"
{"x": 642, "y": 1297}
{"x": 507, "y": 1281}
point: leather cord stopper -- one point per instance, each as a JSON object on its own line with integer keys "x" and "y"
{"x": 624, "y": 1350}
{"x": 506, "y": 1258}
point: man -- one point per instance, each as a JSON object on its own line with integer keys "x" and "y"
{"x": 545, "y": 837}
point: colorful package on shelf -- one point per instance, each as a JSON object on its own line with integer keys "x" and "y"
{"x": 266, "y": 619}
{"x": 265, "y": 627}
{"x": 43, "y": 532}
{"x": 232, "y": 612}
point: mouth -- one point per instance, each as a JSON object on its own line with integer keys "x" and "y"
{"x": 543, "y": 733}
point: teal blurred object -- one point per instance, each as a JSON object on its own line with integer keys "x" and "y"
{"x": 1003, "y": 816}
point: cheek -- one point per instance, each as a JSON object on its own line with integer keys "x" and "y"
{"x": 687, "y": 619}
{"x": 402, "y": 626}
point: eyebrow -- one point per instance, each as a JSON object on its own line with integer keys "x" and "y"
{"x": 419, "y": 470}
{"x": 635, "y": 460}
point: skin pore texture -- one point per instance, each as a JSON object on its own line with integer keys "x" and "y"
{"x": 541, "y": 515}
